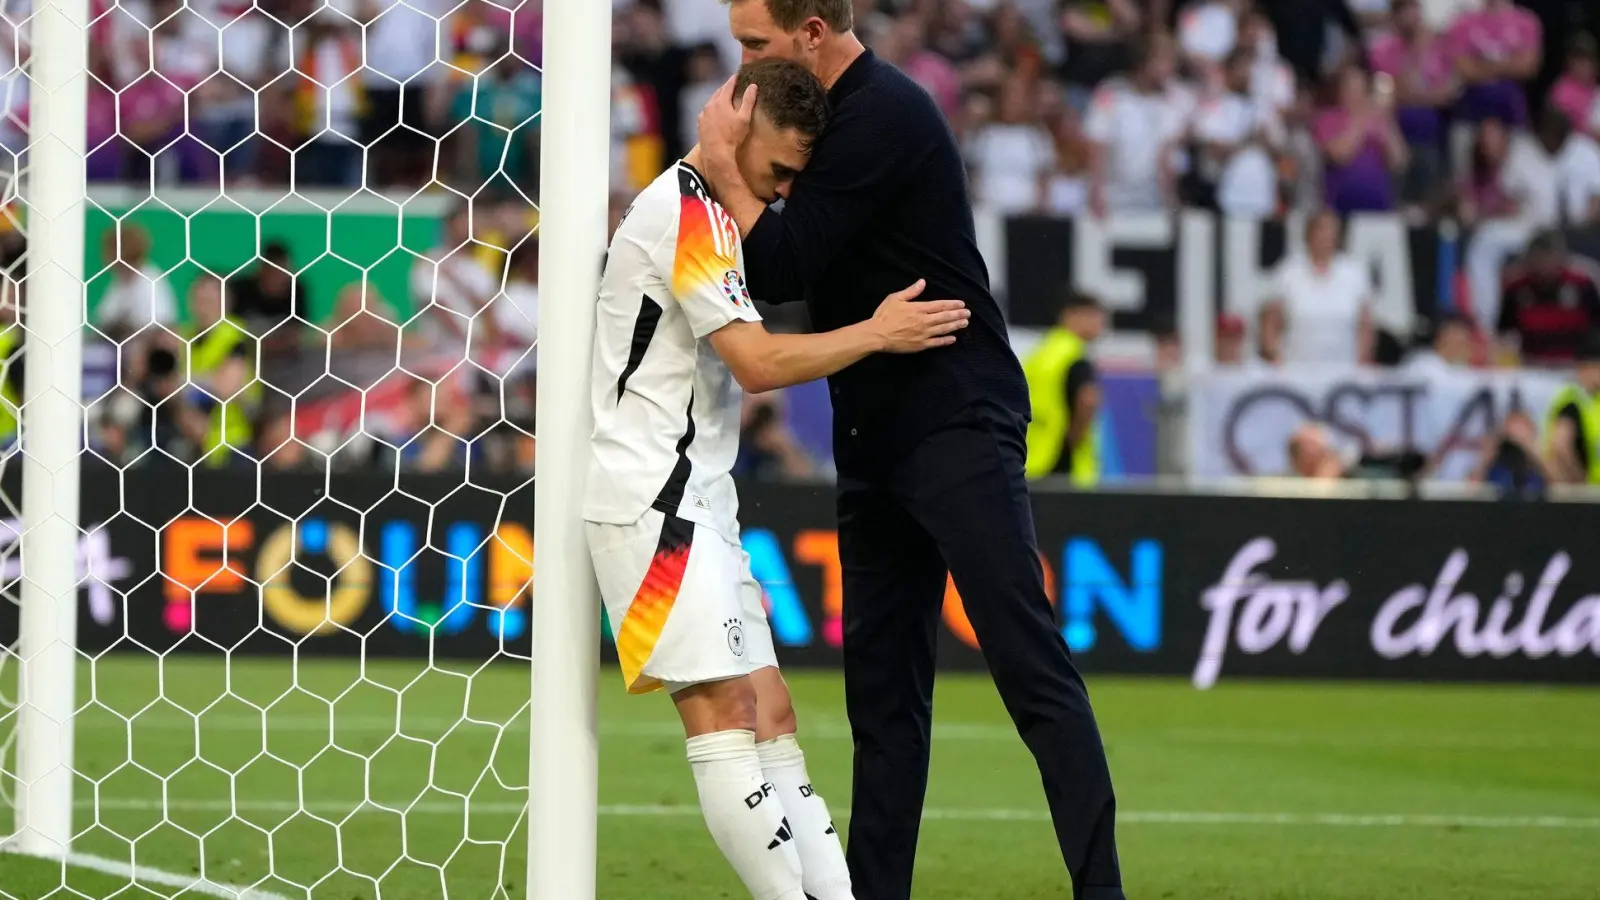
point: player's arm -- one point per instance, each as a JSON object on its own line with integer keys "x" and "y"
{"x": 850, "y": 174}
{"x": 762, "y": 361}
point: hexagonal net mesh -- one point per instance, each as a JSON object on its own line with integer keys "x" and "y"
{"x": 305, "y": 528}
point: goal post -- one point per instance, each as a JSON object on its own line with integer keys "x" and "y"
{"x": 574, "y": 175}
{"x": 52, "y": 423}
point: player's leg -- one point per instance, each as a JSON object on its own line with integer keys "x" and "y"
{"x": 823, "y": 872}
{"x": 671, "y": 590}
{"x": 743, "y": 809}
{"x": 893, "y": 587}
{"x": 965, "y": 484}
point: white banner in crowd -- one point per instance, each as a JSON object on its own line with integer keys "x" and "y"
{"x": 1240, "y": 422}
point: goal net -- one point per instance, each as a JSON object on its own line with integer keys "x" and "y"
{"x": 266, "y": 492}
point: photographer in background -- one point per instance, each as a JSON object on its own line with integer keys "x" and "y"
{"x": 768, "y": 450}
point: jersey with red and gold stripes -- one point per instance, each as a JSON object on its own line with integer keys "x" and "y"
{"x": 666, "y": 409}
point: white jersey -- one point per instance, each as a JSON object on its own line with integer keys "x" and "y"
{"x": 666, "y": 408}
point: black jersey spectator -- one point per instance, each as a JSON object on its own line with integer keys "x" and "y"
{"x": 1550, "y": 307}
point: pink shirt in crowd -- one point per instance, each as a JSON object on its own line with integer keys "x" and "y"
{"x": 1496, "y": 33}
{"x": 938, "y": 77}
{"x": 1431, "y": 60}
{"x": 1575, "y": 100}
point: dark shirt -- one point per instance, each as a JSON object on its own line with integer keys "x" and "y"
{"x": 1580, "y": 439}
{"x": 1080, "y": 375}
{"x": 258, "y": 307}
{"x": 1553, "y": 316}
{"x": 882, "y": 203}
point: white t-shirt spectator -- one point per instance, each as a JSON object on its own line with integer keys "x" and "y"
{"x": 1529, "y": 176}
{"x": 1247, "y": 186}
{"x": 1578, "y": 177}
{"x": 1208, "y": 31}
{"x": 1322, "y": 309}
{"x": 1132, "y": 130}
{"x": 1009, "y": 161}
{"x": 135, "y": 300}
{"x": 403, "y": 44}
{"x": 450, "y": 288}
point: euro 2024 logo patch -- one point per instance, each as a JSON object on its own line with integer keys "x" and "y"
{"x": 733, "y": 287}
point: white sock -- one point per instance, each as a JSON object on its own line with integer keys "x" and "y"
{"x": 745, "y": 815}
{"x": 822, "y": 867}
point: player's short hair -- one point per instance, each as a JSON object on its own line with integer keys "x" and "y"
{"x": 789, "y": 14}
{"x": 788, "y": 95}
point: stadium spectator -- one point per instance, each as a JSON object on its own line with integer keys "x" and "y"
{"x": 151, "y": 111}
{"x": 450, "y": 286}
{"x": 1011, "y": 158}
{"x": 1208, "y": 33}
{"x": 362, "y": 321}
{"x": 1512, "y": 462}
{"x": 1230, "y": 346}
{"x": 1272, "y": 82}
{"x": 1064, "y": 390}
{"x": 138, "y": 296}
{"x": 1237, "y": 138}
{"x": 1100, "y": 36}
{"x": 1508, "y": 193}
{"x": 705, "y": 74}
{"x": 329, "y": 97}
{"x": 516, "y": 311}
{"x": 768, "y": 450}
{"x": 1324, "y": 300}
{"x": 431, "y": 431}
{"x": 212, "y": 336}
{"x": 660, "y": 68}
{"x": 903, "y": 43}
{"x": 1574, "y": 161}
{"x": 1418, "y": 63}
{"x": 497, "y": 129}
{"x": 1303, "y": 29}
{"x": 1575, "y": 94}
{"x": 1572, "y": 443}
{"x": 402, "y": 67}
{"x": 270, "y": 301}
{"x": 1452, "y": 349}
{"x": 1066, "y": 190}
{"x": 1134, "y": 124}
{"x": 1312, "y": 455}
{"x": 1496, "y": 47}
{"x": 254, "y": 51}
{"x": 1550, "y": 308}
{"x": 1362, "y": 146}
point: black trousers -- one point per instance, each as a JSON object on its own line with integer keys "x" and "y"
{"x": 959, "y": 503}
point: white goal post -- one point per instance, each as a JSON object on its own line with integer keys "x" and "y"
{"x": 564, "y": 771}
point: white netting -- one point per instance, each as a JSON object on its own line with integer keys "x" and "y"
{"x": 307, "y": 481}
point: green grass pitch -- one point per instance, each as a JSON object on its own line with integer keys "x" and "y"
{"x": 348, "y": 782}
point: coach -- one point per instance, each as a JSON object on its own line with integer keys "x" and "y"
{"x": 929, "y": 448}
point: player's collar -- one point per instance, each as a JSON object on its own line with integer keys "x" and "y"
{"x": 854, "y": 76}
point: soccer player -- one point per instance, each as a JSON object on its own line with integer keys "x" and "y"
{"x": 677, "y": 337}
{"x": 930, "y": 448}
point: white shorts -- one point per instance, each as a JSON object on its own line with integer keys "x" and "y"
{"x": 681, "y": 601}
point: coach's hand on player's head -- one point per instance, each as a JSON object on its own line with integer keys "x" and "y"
{"x": 723, "y": 125}
{"x": 908, "y": 325}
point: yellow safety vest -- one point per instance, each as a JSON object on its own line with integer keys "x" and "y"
{"x": 231, "y": 429}
{"x": 208, "y": 350}
{"x": 10, "y": 402}
{"x": 1588, "y": 416}
{"x": 1046, "y": 370}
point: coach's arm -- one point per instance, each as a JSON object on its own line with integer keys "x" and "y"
{"x": 762, "y": 361}
{"x": 861, "y": 160}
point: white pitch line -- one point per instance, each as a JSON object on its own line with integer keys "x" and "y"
{"x": 825, "y": 729}
{"x": 150, "y": 875}
{"x": 340, "y": 810}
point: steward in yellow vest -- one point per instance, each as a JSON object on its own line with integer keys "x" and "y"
{"x": 1572, "y": 427}
{"x": 1062, "y": 388}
